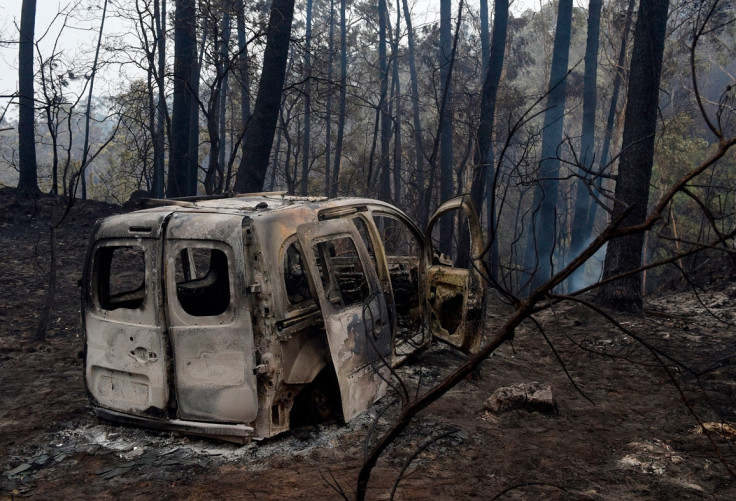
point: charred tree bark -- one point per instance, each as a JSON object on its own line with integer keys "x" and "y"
{"x": 446, "y": 149}
{"x": 637, "y": 155}
{"x": 483, "y": 185}
{"x": 613, "y": 108}
{"x": 185, "y": 58}
{"x": 28, "y": 180}
{"x": 259, "y": 138}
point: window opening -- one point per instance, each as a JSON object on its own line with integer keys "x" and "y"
{"x": 121, "y": 277}
{"x": 455, "y": 251}
{"x": 403, "y": 252}
{"x": 202, "y": 281}
{"x": 398, "y": 239}
{"x": 295, "y": 275}
{"x": 341, "y": 272}
{"x": 362, "y": 227}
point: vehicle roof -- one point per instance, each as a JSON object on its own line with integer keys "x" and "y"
{"x": 257, "y": 203}
{"x": 269, "y": 205}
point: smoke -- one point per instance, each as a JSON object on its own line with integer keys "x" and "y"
{"x": 589, "y": 273}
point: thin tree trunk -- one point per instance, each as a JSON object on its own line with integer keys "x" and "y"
{"x": 243, "y": 83}
{"x": 151, "y": 118}
{"x": 243, "y": 66}
{"x": 328, "y": 111}
{"x": 426, "y": 196}
{"x": 418, "y": 148}
{"x": 306, "y": 144}
{"x": 52, "y": 124}
{"x": 483, "y": 185}
{"x": 88, "y": 112}
{"x": 485, "y": 36}
{"x": 385, "y": 119}
{"x": 445, "y": 128}
{"x": 159, "y": 15}
{"x": 546, "y": 196}
{"x": 193, "y": 149}
{"x": 343, "y": 99}
{"x": 216, "y": 110}
{"x": 582, "y": 233}
{"x": 396, "y": 98}
{"x": 225, "y": 63}
{"x": 608, "y": 136}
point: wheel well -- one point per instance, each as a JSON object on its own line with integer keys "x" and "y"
{"x": 318, "y": 401}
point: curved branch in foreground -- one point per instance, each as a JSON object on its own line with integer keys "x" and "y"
{"x": 524, "y": 309}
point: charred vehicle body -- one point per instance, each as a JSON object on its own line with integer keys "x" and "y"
{"x": 223, "y": 317}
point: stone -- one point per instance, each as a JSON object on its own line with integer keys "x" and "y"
{"x": 533, "y": 397}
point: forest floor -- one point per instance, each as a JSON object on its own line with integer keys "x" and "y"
{"x": 629, "y": 431}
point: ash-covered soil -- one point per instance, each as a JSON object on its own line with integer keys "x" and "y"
{"x": 631, "y": 425}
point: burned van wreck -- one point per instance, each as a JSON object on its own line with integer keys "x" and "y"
{"x": 233, "y": 317}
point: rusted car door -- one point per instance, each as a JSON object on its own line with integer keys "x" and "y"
{"x": 353, "y": 306}
{"x": 454, "y": 295}
{"x": 125, "y": 366}
{"x": 209, "y": 319}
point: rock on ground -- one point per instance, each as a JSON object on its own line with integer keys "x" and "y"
{"x": 534, "y": 397}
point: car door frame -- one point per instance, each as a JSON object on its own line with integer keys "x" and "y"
{"x": 358, "y": 334}
{"x": 443, "y": 283}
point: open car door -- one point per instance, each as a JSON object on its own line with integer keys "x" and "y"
{"x": 346, "y": 285}
{"x": 455, "y": 295}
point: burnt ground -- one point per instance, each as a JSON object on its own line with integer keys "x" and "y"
{"x": 628, "y": 431}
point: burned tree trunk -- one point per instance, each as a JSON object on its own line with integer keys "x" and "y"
{"x": 483, "y": 175}
{"x": 28, "y": 181}
{"x": 259, "y": 138}
{"x": 635, "y": 167}
{"x": 445, "y": 127}
{"x": 185, "y": 57}
{"x": 542, "y": 236}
